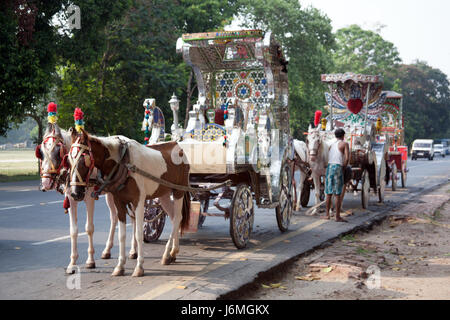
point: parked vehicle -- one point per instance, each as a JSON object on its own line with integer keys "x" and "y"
{"x": 423, "y": 149}
{"x": 439, "y": 150}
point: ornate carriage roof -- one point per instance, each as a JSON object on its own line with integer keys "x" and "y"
{"x": 350, "y": 76}
{"x": 230, "y": 50}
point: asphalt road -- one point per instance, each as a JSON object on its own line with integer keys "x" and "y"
{"x": 35, "y": 246}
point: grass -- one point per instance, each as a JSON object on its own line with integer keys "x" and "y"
{"x": 18, "y": 165}
{"x": 348, "y": 237}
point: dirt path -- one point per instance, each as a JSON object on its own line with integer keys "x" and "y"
{"x": 405, "y": 257}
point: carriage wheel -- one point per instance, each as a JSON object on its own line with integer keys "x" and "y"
{"x": 403, "y": 177}
{"x": 394, "y": 177}
{"x": 242, "y": 216}
{"x": 365, "y": 191}
{"x": 285, "y": 207}
{"x": 204, "y": 206}
{"x": 154, "y": 229}
{"x": 306, "y": 191}
{"x": 382, "y": 182}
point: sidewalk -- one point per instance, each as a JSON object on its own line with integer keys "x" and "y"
{"x": 406, "y": 257}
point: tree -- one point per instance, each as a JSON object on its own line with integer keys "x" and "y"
{"x": 426, "y": 101}
{"x": 27, "y": 57}
{"x": 363, "y": 51}
{"x": 307, "y": 38}
{"x": 138, "y": 60}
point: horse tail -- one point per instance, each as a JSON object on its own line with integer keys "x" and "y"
{"x": 185, "y": 211}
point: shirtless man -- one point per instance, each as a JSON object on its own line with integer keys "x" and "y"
{"x": 334, "y": 180}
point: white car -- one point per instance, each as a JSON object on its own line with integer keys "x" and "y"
{"x": 439, "y": 150}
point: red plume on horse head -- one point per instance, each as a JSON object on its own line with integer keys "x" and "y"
{"x": 52, "y": 110}
{"x": 78, "y": 116}
{"x": 317, "y": 117}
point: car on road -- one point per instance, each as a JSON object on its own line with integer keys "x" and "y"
{"x": 439, "y": 150}
{"x": 423, "y": 148}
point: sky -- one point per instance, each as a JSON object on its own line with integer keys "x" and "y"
{"x": 419, "y": 29}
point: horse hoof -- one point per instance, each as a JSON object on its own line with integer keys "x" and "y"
{"x": 90, "y": 265}
{"x": 118, "y": 272}
{"x": 106, "y": 256}
{"x": 168, "y": 260}
{"x": 138, "y": 272}
{"x": 132, "y": 256}
{"x": 70, "y": 270}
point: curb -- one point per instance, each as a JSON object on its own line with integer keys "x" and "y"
{"x": 277, "y": 269}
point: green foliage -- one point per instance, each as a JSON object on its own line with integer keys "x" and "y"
{"x": 137, "y": 60}
{"x": 306, "y": 35}
{"x": 27, "y": 57}
{"x": 426, "y": 101}
{"x": 364, "y": 51}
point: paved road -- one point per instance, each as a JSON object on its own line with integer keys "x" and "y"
{"x": 35, "y": 246}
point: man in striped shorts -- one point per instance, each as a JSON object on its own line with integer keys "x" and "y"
{"x": 338, "y": 159}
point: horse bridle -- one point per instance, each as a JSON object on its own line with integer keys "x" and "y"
{"x": 62, "y": 152}
{"x": 88, "y": 160}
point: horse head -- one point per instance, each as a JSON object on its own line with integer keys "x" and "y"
{"x": 313, "y": 143}
{"x": 51, "y": 153}
{"x": 81, "y": 162}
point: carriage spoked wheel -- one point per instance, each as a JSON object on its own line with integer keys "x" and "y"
{"x": 365, "y": 191}
{"x": 154, "y": 221}
{"x": 241, "y": 216}
{"x": 382, "y": 182}
{"x": 394, "y": 177}
{"x": 285, "y": 208}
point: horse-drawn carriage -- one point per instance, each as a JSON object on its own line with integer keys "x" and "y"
{"x": 392, "y": 127}
{"x": 357, "y": 100}
{"x": 238, "y": 132}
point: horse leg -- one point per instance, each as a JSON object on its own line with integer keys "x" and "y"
{"x": 73, "y": 236}
{"x": 119, "y": 270}
{"x": 133, "y": 255}
{"x": 168, "y": 206}
{"x": 299, "y": 192}
{"x": 106, "y": 254}
{"x": 177, "y": 210}
{"x": 90, "y": 204}
{"x": 139, "y": 235}
{"x": 316, "y": 178}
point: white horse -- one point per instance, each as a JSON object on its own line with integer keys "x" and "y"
{"x": 51, "y": 153}
{"x": 318, "y": 145}
{"x": 164, "y": 161}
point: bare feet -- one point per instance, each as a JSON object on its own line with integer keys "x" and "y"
{"x": 341, "y": 220}
{"x": 325, "y": 217}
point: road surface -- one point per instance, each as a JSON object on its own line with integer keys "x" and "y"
{"x": 35, "y": 246}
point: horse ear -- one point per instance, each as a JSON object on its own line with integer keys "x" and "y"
{"x": 309, "y": 128}
{"x": 73, "y": 134}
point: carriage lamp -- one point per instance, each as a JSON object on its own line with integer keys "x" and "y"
{"x": 175, "y": 106}
{"x": 324, "y": 124}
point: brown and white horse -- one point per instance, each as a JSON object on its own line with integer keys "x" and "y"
{"x": 165, "y": 161}
{"x": 51, "y": 153}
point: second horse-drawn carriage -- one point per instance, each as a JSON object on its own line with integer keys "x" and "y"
{"x": 238, "y": 135}
{"x": 357, "y": 100}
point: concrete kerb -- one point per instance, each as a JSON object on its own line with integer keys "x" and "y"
{"x": 277, "y": 270}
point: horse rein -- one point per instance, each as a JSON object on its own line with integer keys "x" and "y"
{"x": 88, "y": 159}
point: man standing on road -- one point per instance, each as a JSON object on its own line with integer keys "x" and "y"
{"x": 338, "y": 159}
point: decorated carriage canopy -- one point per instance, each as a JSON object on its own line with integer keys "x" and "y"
{"x": 243, "y": 68}
{"x": 349, "y": 94}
